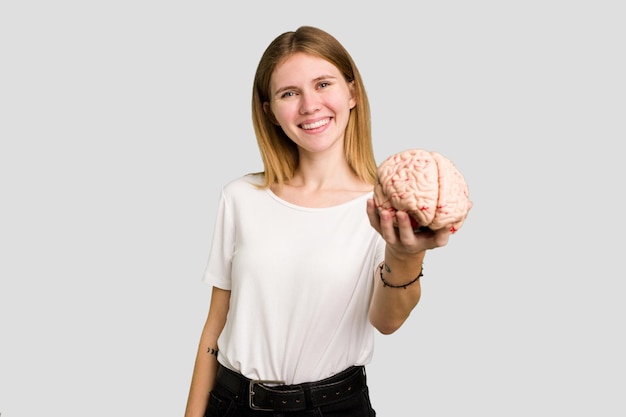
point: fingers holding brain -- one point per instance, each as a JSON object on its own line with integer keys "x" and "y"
{"x": 426, "y": 186}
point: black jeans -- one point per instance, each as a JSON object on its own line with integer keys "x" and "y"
{"x": 223, "y": 402}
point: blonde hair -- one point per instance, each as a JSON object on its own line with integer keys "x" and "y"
{"x": 279, "y": 153}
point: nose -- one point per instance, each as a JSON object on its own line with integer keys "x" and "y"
{"x": 309, "y": 103}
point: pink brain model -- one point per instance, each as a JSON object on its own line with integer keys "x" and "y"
{"x": 427, "y": 186}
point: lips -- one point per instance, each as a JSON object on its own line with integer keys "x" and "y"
{"x": 316, "y": 124}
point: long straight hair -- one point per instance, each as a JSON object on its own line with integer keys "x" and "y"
{"x": 278, "y": 151}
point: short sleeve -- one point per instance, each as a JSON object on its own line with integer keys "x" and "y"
{"x": 219, "y": 265}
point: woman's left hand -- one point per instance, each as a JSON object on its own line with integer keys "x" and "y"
{"x": 401, "y": 238}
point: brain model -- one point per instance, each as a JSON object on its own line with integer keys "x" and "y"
{"x": 427, "y": 186}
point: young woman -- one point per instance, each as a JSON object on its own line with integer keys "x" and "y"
{"x": 304, "y": 269}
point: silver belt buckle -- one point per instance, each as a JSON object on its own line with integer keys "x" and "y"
{"x": 251, "y": 392}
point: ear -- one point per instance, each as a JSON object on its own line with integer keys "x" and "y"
{"x": 269, "y": 114}
{"x": 352, "y": 101}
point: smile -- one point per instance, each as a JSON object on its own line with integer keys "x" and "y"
{"x": 315, "y": 125}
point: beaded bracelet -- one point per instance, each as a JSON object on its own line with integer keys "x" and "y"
{"x": 212, "y": 351}
{"x": 386, "y": 284}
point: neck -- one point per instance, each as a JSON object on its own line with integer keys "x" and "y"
{"x": 324, "y": 173}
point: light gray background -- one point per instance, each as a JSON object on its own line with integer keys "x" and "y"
{"x": 121, "y": 120}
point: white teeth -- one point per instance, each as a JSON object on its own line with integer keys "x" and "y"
{"x": 315, "y": 125}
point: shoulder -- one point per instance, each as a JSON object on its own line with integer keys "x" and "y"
{"x": 245, "y": 184}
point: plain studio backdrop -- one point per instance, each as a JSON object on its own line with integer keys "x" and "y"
{"x": 121, "y": 120}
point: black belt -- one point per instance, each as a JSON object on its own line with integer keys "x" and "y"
{"x": 274, "y": 396}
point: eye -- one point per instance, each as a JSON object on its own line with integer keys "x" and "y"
{"x": 287, "y": 94}
{"x": 323, "y": 84}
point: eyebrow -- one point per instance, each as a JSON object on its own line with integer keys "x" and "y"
{"x": 314, "y": 80}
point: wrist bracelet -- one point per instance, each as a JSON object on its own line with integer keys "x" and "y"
{"x": 386, "y": 284}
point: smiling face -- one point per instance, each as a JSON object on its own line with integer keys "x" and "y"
{"x": 311, "y": 101}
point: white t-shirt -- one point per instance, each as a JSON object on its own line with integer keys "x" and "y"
{"x": 301, "y": 281}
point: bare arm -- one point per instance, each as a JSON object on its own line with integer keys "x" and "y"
{"x": 205, "y": 367}
{"x": 404, "y": 255}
